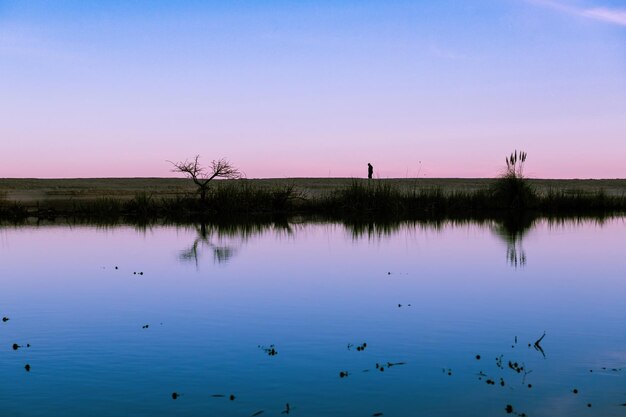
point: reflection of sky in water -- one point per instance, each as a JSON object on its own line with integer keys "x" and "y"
{"x": 311, "y": 290}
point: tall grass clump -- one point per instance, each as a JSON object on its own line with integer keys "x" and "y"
{"x": 579, "y": 202}
{"x": 13, "y": 211}
{"x": 103, "y": 208}
{"x": 511, "y": 190}
{"x": 141, "y": 206}
{"x": 371, "y": 197}
{"x": 243, "y": 198}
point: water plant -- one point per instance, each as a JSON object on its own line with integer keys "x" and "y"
{"x": 511, "y": 190}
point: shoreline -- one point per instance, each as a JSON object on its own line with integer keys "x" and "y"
{"x": 31, "y": 191}
{"x": 375, "y": 200}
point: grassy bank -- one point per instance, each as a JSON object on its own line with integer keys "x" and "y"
{"x": 356, "y": 198}
{"x": 500, "y": 198}
{"x": 59, "y": 191}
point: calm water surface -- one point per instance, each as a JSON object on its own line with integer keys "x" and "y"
{"x": 424, "y": 300}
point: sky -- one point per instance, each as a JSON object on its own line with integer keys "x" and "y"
{"x": 313, "y": 88}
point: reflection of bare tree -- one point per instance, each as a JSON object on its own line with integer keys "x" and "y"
{"x": 225, "y": 240}
{"x": 221, "y": 253}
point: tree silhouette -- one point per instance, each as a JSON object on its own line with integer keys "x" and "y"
{"x": 201, "y": 176}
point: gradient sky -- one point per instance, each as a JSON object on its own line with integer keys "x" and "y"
{"x": 313, "y": 88}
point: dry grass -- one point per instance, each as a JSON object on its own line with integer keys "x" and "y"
{"x": 55, "y": 192}
{"x": 175, "y": 198}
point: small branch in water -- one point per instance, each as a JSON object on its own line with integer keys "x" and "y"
{"x": 524, "y": 379}
{"x": 538, "y": 346}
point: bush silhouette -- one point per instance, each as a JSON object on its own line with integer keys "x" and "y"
{"x": 511, "y": 190}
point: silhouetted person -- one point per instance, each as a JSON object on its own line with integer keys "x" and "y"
{"x": 370, "y": 170}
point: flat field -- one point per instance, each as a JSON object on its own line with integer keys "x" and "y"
{"x": 59, "y": 192}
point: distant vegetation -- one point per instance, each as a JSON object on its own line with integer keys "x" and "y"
{"x": 511, "y": 194}
{"x": 511, "y": 190}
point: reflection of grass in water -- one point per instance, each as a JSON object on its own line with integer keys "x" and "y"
{"x": 512, "y": 230}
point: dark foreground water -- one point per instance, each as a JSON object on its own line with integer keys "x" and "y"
{"x": 408, "y": 321}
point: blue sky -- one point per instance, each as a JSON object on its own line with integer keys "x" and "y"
{"x": 320, "y": 88}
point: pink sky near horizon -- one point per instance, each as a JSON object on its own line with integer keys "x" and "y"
{"x": 384, "y": 168}
{"x": 434, "y": 89}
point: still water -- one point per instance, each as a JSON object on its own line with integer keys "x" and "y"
{"x": 409, "y": 320}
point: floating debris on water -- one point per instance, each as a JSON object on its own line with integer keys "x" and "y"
{"x": 16, "y": 346}
{"x": 509, "y": 410}
{"x": 270, "y": 350}
{"x": 257, "y": 413}
{"x": 27, "y": 367}
{"x": 575, "y": 391}
{"x": 381, "y": 367}
{"x": 604, "y": 368}
{"x": 343, "y": 374}
{"x": 230, "y": 397}
{"x": 477, "y": 357}
{"x": 145, "y": 326}
{"x": 514, "y": 366}
{"x": 377, "y": 414}
{"x": 538, "y": 346}
{"x": 359, "y": 348}
{"x": 499, "y": 362}
{"x": 175, "y": 395}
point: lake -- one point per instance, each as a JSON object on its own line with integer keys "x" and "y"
{"x": 334, "y": 320}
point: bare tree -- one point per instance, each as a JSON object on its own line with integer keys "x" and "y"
{"x": 201, "y": 176}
